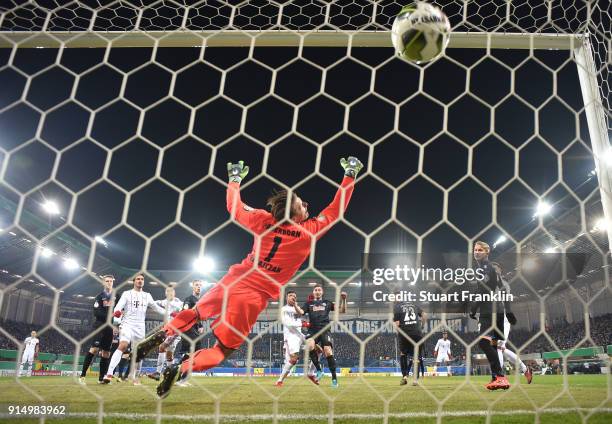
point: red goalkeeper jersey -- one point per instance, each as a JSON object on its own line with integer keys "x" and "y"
{"x": 284, "y": 248}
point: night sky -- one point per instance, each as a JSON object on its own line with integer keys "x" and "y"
{"x": 84, "y": 139}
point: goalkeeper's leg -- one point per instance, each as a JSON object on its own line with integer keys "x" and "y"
{"x": 202, "y": 360}
{"x": 209, "y": 305}
{"x": 205, "y": 359}
{"x": 232, "y": 326}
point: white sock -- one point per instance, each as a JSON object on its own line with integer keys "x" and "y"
{"x": 114, "y": 362}
{"x": 312, "y": 369}
{"x": 136, "y": 370}
{"x": 517, "y": 362}
{"x": 161, "y": 357}
{"x": 500, "y": 355}
{"x": 286, "y": 368}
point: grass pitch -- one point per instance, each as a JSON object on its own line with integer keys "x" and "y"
{"x": 371, "y": 399}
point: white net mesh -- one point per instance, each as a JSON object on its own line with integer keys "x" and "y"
{"x": 124, "y": 113}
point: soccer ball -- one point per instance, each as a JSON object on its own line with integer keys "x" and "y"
{"x": 420, "y": 32}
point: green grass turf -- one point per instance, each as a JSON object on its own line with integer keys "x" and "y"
{"x": 246, "y": 398}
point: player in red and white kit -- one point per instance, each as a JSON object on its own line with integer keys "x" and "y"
{"x": 283, "y": 246}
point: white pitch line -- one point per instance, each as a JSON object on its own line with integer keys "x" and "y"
{"x": 319, "y": 417}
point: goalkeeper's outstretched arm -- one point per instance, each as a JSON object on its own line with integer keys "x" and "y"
{"x": 331, "y": 213}
{"x": 245, "y": 215}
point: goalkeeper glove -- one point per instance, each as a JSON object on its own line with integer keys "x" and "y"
{"x": 237, "y": 171}
{"x": 351, "y": 166}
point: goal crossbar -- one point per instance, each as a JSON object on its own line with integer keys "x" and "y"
{"x": 276, "y": 38}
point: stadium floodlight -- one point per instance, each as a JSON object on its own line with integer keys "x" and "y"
{"x": 101, "y": 240}
{"x": 46, "y": 253}
{"x": 529, "y": 264}
{"x": 203, "y": 264}
{"x": 601, "y": 225}
{"x": 70, "y": 264}
{"x": 51, "y": 207}
{"x": 551, "y": 249}
{"x": 500, "y": 240}
{"x": 543, "y": 208}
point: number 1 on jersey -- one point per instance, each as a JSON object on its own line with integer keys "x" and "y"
{"x": 277, "y": 242}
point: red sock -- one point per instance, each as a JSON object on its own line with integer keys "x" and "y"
{"x": 182, "y": 322}
{"x": 204, "y": 359}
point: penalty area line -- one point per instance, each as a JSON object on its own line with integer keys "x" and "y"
{"x": 318, "y": 417}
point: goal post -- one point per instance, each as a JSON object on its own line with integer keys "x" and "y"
{"x": 597, "y": 123}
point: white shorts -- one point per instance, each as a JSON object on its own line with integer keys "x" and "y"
{"x": 132, "y": 334}
{"x": 442, "y": 358}
{"x": 28, "y": 356}
{"x": 293, "y": 345}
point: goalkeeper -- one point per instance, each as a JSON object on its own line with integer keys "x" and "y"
{"x": 280, "y": 247}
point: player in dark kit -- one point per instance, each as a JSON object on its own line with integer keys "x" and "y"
{"x": 491, "y": 319}
{"x": 104, "y": 336}
{"x": 318, "y": 310}
{"x": 193, "y": 333}
{"x": 283, "y": 240}
{"x": 409, "y": 319}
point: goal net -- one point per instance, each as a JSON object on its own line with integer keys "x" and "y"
{"x": 117, "y": 119}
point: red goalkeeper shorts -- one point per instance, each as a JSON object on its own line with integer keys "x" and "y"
{"x": 233, "y": 325}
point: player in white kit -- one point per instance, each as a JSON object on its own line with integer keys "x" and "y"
{"x": 30, "y": 351}
{"x": 502, "y": 350}
{"x": 442, "y": 352}
{"x": 132, "y": 309}
{"x": 172, "y": 305}
{"x": 293, "y": 337}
